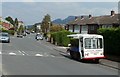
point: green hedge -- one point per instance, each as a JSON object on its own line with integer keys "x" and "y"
{"x": 61, "y": 37}
{"x": 111, "y": 40}
{"x": 11, "y": 32}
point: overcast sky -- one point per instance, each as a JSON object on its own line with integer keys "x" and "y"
{"x": 33, "y": 12}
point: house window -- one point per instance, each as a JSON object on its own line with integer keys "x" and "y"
{"x": 84, "y": 29}
{"x": 106, "y": 26}
{"x": 77, "y": 28}
{"x": 92, "y": 28}
{"x": 71, "y": 28}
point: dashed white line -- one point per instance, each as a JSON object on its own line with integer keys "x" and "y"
{"x": 11, "y": 53}
{"x": 38, "y": 55}
{"x": 0, "y": 52}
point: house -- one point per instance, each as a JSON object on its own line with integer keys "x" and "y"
{"x": 37, "y": 27}
{"x": 20, "y": 28}
{"x": 5, "y": 24}
{"x": 91, "y": 24}
{"x": 20, "y": 23}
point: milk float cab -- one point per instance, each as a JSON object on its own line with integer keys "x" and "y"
{"x": 86, "y": 46}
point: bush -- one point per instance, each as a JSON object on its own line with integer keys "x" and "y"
{"x": 61, "y": 37}
{"x": 11, "y": 32}
{"x": 111, "y": 40}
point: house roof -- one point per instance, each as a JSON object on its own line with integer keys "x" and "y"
{"x": 5, "y": 24}
{"x": 20, "y": 21}
{"x": 106, "y": 19}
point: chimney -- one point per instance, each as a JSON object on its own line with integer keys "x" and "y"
{"x": 82, "y": 17}
{"x": 90, "y": 16}
{"x": 76, "y": 18}
{"x": 112, "y": 13}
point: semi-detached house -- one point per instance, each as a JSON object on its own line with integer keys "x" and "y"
{"x": 90, "y": 24}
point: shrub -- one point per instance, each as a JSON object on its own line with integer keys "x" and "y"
{"x": 111, "y": 40}
{"x": 61, "y": 37}
{"x": 11, "y": 32}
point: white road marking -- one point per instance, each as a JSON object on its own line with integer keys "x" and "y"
{"x": 24, "y": 52}
{"x": 38, "y": 55}
{"x": 52, "y": 56}
{"x": 21, "y": 52}
{"x": 0, "y": 52}
{"x": 11, "y": 53}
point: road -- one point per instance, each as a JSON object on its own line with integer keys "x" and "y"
{"x": 26, "y": 56}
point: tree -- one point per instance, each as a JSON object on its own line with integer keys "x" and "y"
{"x": 10, "y": 20}
{"x": 46, "y": 23}
{"x": 56, "y": 28}
{"x": 16, "y": 24}
{"x": 20, "y": 30}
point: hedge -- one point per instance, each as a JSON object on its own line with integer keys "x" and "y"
{"x": 61, "y": 37}
{"x": 11, "y": 32}
{"x": 111, "y": 40}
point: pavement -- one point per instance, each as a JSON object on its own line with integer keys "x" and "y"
{"x": 106, "y": 62}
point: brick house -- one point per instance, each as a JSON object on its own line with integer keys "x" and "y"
{"x": 91, "y": 24}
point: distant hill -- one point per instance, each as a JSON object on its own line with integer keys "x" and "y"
{"x": 64, "y": 21}
{"x": 29, "y": 26}
{"x": 57, "y": 21}
{"x": 68, "y": 19}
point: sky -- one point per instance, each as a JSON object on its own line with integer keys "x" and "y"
{"x": 33, "y": 11}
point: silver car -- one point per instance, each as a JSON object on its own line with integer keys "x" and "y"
{"x": 39, "y": 37}
{"x": 4, "y": 37}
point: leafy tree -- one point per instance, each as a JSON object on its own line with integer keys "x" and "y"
{"x": 10, "y": 20}
{"x": 16, "y": 24}
{"x": 0, "y": 22}
{"x": 46, "y": 23}
{"x": 21, "y": 29}
{"x": 56, "y": 28}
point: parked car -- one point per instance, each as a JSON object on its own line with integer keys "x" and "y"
{"x": 28, "y": 32}
{"x": 20, "y": 35}
{"x": 32, "y": 31}
{"x": 39, "y": 37}
{"x": 4, "y": 37}
{"x": 24, "y": 34}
